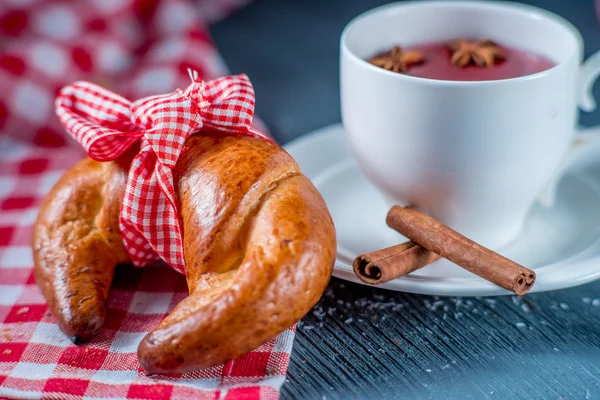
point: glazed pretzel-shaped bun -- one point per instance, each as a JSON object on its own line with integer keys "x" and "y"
{"x": 259, "y": 245}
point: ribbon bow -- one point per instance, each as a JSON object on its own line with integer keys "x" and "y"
{"x": 106, "y": 125}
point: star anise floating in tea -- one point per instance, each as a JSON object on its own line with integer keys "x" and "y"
{"x": 398, "y": 60}
{"x": 483, "y": 53}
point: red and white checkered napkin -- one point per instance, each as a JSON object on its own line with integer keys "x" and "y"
{"x": 38, "y": 361}
{"x": 136, "y": 48}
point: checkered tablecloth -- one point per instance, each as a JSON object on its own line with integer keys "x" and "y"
{"x": 38, "y": 361}
{"x": 136, "y": 48}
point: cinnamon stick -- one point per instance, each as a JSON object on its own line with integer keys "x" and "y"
{"x": 440, "y": 239}
{"x": 384, "y": 265}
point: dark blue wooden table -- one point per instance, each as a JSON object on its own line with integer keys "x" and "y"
{"x": 366, "y": 343}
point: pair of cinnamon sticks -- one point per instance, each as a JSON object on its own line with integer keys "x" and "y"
{"x": 430, "y": 240}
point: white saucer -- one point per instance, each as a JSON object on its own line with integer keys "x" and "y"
{"x": 561, "y": 243}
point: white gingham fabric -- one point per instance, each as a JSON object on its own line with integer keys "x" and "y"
{"x": 106, "y": 125}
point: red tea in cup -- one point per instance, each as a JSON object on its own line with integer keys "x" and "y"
{"x": 438, "y": 61}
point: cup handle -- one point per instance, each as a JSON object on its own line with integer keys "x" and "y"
{"x": 589, "y": 73}
{"x": 585, "y": 148}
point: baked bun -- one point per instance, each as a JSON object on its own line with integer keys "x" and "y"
{"x": 258, "y": 242}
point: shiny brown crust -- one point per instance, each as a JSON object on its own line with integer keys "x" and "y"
{"x": 77, "y": 244}
{"x": 259, "y": 245}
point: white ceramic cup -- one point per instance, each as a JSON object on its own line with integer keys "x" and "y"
{"x": 474, "y": 155}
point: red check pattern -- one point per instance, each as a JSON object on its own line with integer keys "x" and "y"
{"x": 137, "y": 48}
{"x": 38, "y": 361}
{"x": 106, "y": 125}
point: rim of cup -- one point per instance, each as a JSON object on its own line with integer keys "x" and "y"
{"x": 526, "y": 9}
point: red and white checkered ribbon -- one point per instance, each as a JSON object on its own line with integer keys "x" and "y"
{"x": 106, "y": 125}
